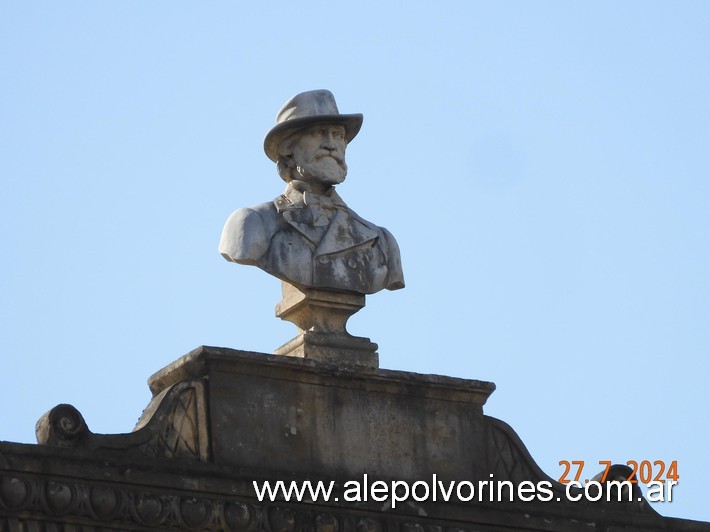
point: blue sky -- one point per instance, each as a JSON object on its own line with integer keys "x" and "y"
{"x": 543, "y": 165}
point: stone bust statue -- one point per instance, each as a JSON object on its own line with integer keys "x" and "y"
{"x": 308, "y": 236}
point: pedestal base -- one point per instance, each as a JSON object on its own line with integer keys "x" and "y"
{"x": 320, "y": 316}
{"x": 332, "y": 348}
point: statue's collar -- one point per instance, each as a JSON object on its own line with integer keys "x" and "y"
{"x": 295, "y": 199}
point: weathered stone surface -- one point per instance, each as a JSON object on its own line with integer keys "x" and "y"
{"x": 313, "y": 240}
{"x": 304, "y": 416}
{"x": 221, "y": 419}
{"x": 58, "y": 489}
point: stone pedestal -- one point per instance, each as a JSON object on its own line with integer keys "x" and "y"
{"x": 291, "y": 414}
{"x": 320, "y": 316}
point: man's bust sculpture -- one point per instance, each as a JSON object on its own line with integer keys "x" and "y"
{"x": 308, "y": 236}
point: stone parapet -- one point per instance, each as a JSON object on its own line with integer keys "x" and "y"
{"x": 221, "y": 419}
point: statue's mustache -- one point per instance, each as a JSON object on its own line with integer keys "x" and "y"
{"x": 324, "y": 153}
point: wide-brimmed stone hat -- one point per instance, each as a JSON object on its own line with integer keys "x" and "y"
{"x": 304, "y": 110}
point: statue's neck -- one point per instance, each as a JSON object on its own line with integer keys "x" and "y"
{"x": 322, "y": 189}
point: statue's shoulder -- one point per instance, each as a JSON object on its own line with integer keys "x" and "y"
{"x": 395, "y": 279}
{"x": 247, "y": 233}
{"x": 263, "y": 210}
{"x": 261, "y": 214}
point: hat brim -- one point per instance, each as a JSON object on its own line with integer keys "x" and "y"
{"x": 280, "y": 132}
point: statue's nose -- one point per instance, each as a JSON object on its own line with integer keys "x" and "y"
{"x": 329, "y": 142}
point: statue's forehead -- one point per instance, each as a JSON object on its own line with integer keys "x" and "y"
{"x": 322, "y": 126}
{"x": 310, "y": 130}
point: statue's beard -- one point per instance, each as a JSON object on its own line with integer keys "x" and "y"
{"x": 324, "y": 169}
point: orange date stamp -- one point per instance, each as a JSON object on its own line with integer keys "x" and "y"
{"x": 645, "y": 471}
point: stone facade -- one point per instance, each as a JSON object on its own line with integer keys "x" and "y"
{"x": 221, "y": 419}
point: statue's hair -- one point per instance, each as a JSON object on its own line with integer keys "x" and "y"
{"x": 284, "y": 163}
{"x": 284, "y": 166}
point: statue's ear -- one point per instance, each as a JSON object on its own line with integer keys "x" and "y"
{"x": 286, "y": 147}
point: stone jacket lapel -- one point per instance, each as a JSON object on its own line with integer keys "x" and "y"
{"x": 345, "y": 231}
{"x": 302, "y": 221}
{"x": 296, "y": 213}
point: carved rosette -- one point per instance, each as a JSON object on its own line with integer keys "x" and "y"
{"x": 64, "y": 500}
{"x": 34, "y": 503}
